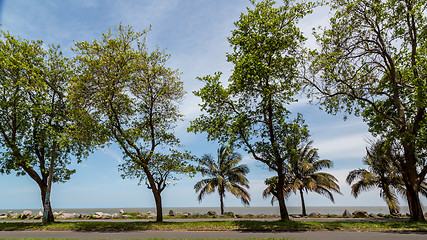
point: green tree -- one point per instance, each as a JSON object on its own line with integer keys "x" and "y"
{"x": 303, "y": 174}
{"x": 382, "y": 172}
{"x": 35, "y": 121}
{"x": 251, "y": 111}
{"x": 130, "y": 93}
{"x": 225, "y": 175}
{"x": 372, "y": 62}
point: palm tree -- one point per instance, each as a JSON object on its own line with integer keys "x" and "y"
{"x": 225, "y": 175}
{"x": 303, "y": 175}
{"x": 381, "y": 173}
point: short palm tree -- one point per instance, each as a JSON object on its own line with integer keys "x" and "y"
{"x": 303, "y": 175}
{"x": 224, "y": 175}
{"x": 381, "y": 173}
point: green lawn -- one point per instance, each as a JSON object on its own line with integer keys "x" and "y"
{"x": 217, "y": 226}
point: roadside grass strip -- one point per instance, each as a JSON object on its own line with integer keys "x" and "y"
{"x": 217, "y": 226}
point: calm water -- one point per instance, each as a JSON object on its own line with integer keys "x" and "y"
{"x": 236, "y": 210}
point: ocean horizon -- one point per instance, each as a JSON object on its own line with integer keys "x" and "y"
{"x": 236, "y": 210}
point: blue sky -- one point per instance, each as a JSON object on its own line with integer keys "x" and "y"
{"x": 195, "y": 33}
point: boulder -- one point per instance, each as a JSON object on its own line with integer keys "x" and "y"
{"x": 211, "y": 213}
{"x": 250, "y": 215}
{"x": 55, "y": 214}
{"x": 347, "y": 214}
{"x": 3, "y": 217}
{"x": 373, "y": 215}
{"x": 151, "y": 214}
{"x": 380, "y": 215}
{"x": 314, "y": 215}
{"x": 186, "y": 214}
{"x": 117, "y": 215}
{"x": 360, "y": 214}
{"x": 39, "y": 215}
{"x": 229, "y": 214}
{"x": 122, "y": 211}
{"x": 84, "y": 216}
{"x": 171, "y": 213}
{"x": 99, "y": 214}
{"x": 106, "y": 216}
{"x": 26, "y": 214}
{"x": 69, "y": 216}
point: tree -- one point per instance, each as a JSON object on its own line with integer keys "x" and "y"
{"x": 251, "y": 111}
{"x": 381, "y": 159}
{"x": 372, "y": 63}
{"x": 35, "y": 121}
{"x": 225, "y": 175}
{"x": 130, "y": 93}
{"x": 302, "y": 174}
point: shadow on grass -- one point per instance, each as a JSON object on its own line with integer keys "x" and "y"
{"x": 240, "y": 225}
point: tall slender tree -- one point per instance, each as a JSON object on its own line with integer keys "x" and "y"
{"x": 372, "y": 62}
{"x": 35, "y": 121}
{"x": 382, "y": 173}
{"x": 251, "y": 111}
{"x": 225, "y": 176}
{"x": 303, "y": 175}
{"x": 131, "y": 95}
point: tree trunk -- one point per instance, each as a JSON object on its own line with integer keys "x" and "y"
{"x": 47, "y": 209}
{"x": 159, "y": 208}
{"x": 414, "y": 203}
{"x": 410, "y": 177}
{"x": 304, "y": 212}
{"x": 284, "y": 216}
{"x": 221, "y": 199}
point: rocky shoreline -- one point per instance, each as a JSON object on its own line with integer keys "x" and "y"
{"x": 121, "y": 214}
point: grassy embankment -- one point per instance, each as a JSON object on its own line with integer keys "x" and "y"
{"x": 218, "y": 226}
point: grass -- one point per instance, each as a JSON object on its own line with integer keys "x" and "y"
{"x": 153, "y": 239}
{"x": 218, "y": 226}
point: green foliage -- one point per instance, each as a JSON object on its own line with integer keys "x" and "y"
{"x": 251, "y": 111}
{"x": 302, "y": 174}
{"x": 34, "y": 111}
{"x": 131, "y": 95}
{"x": 372, "y": 63}
{"x": 225, "y": 176}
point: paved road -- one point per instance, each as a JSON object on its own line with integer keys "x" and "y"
{"x": 235, "y": 234}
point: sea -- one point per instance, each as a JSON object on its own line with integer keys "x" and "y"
{"x": 236, "y": 210}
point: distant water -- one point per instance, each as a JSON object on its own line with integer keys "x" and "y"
{"x": 236, "y": 210}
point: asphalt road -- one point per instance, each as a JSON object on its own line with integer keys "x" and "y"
{"x": 335, "y": 235}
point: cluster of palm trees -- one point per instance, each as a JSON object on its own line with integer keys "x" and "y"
{"x": 226, "y": 174}
{"x": 302, "y": 174}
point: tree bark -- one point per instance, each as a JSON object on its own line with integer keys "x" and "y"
{"x": 47, "y": 209}
{"x": 159, "y": 207}
{"x": 221, "y": 199}
{"x": 410, "y": 176}
{"x": 284, "y": 216}
{"x": 304, "y": 212}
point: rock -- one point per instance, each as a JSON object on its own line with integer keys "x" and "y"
{"x": 3, "y": 217}
{"x": 211, "y": 213}
{"x": 117, "y": 215}
{"x": 229, "y": 214}
{"x": 360, "y": 214}
{"x": 295, "y": 216}
{"x": 84, "y": 216}
{"x": 126, "y": 216}
{"x": 238, "y": 216}
{"x": 26, "y": 214}
{"x": 250, "y": 215}
{"x": 314, "y": 214}
{"x": 380, "y": 215}
{"x": 55, "y": 214}
{"x": 347, "y": 214}
{"x": 106, "y": 216}
{"x": 3, "y": 214}
{"x": 425, "y": 215}
{"x": 186, "y": 214}
{"x": 171, "y": 213}
{"x": 122, "y": 211}
{"x": 39, "y": 215}
{"x": 151, "y": 214}
{"x": 99, "y": 214}
{"x": 69, "y": 216}
{"x": 334, "y": 216}
{"x": 373, "y": 215}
